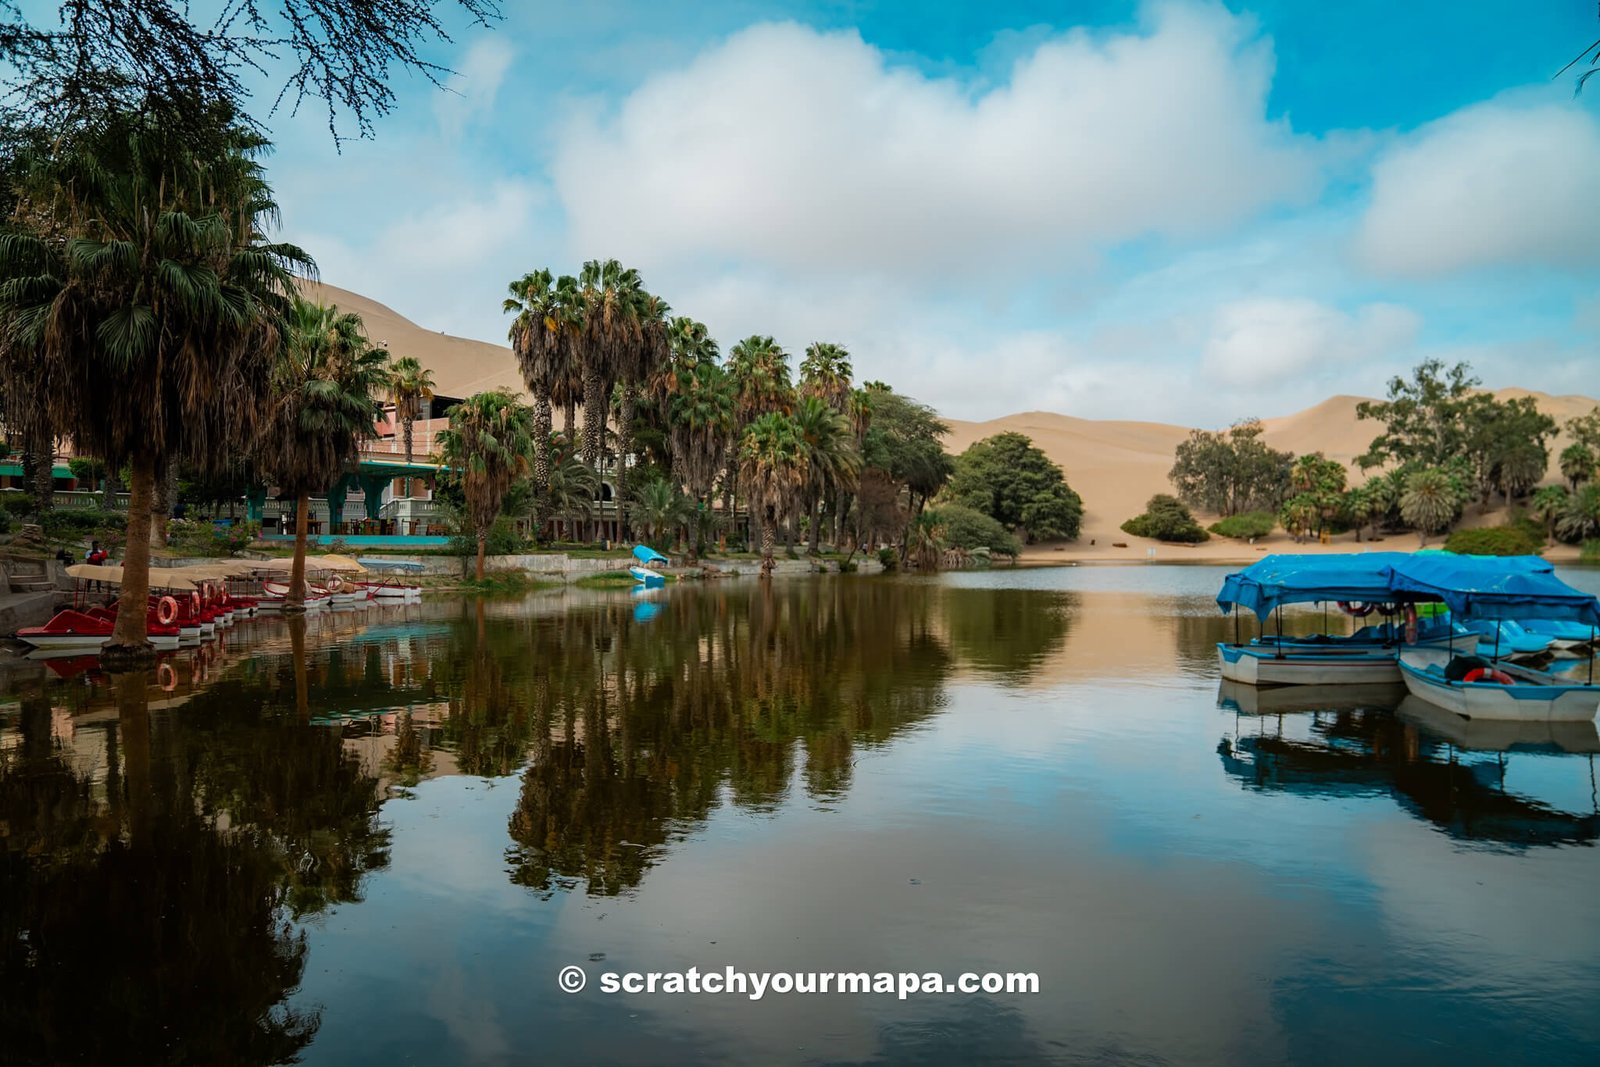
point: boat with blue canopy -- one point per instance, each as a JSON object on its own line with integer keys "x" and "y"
{"x": 1358, "y": 584}
{"x": 1499, "y": 590}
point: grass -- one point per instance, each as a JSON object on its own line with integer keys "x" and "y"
{"x": 505, "y": 582}
{"x": 606, "y": 580}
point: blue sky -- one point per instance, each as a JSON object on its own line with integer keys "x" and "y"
{"x": 1180, "y": 211}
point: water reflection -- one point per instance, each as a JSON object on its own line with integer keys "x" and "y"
{"x": 1380, "y": 741}
{"x": 152, "y": 869}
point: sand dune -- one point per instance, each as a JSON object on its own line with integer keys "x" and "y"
{"x": 1115, "y": 464}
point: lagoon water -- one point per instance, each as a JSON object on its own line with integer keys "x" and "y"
{"x": 377, "y": 837}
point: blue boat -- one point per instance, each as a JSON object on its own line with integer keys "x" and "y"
{"x": 1508, "y": 589}
{"x": 647, "y": 555}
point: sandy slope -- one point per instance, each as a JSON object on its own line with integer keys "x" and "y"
{"x": 1116, "y": 465}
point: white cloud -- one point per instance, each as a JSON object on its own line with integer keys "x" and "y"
{"x": 812, "y": 152}
{"x": 1263, "y": 342}
{"x": 471, "y": 93}
{"x": 1492, "y": 184}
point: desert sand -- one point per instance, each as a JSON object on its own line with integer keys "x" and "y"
{"x": 1115, "y": 465}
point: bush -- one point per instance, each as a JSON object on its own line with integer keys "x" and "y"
{"x": 16, "y": 503}
{"x": 503, "y": 540}
{"x": 1246, "y": 525}
{"x": 968, "y": 528}
{"x": 1166, "y": 518}
{"x": 889, "y": 558}
{"x": 202, "y": 537}
{"x": 77, "y": 524}
{"x": 1495, "y": 541}
{"x": 5, "y": 521}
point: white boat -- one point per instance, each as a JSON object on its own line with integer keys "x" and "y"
{"x": 1265, "y": 665}
{"x": 1529, "y": 695}
{"x": 645, "y": 574}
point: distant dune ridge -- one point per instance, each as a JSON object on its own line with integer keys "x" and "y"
{"x": 1116, "y": 465}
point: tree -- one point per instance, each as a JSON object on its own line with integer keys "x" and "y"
{"x": 660, "y": 509}
{"x": 1548, "y": 504}
{"x": 1319, "y": 483}
{"x": 1010, "y": 480}
{"x": 1580, "y": 518}
{"x": 140, "y": 298}
{"x": 701, "y": 418}
{"x": 545, "y": 336}
{"x": 760, "y": 372}
{"x": 1232, "y": 471}
{"x": 639, "y": 365}
{"x": 1431, "y": 502}
{"x": 772, "y": 465}
{"x": 324, "y": 404}
{"x": 825, "y": 373}
{"x": 905, "y": 440}
{"x": 1506, "y": 444}
{"x": 1165, "y": 518}
{"x": 133, "y": 52}
{"x": 410, "y": 388}
{"x": 1425, "y": 418}
{"x": 1577, "y": 464}
{"x": 573, "y": 489}
{"x": 832, "y": 461}
{"x": 487, "y": 448}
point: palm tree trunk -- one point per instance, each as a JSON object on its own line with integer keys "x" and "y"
{"x": 44, "y": 469}
{"x": 624, "y": 443}
{"x": 296, "y": 600}
{"x": 108, "y": 495}
{"x": 768, "y": 542}
{"x": 816, "y": 525}
{"x": 593, "y": 428}
{"x": 129, "y": 638}
{"x": 161, "y": 506}
{"x": 569, "y": 418}
{"x": 408, "y": 425}
{"x": 483, "y": 537}
{"x": 541, "y": 461}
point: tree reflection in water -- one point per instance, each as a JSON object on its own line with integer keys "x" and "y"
{"x": 642, "y": 727}
{"x": 162, "y": 894}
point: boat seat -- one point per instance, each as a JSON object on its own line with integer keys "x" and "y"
{"x": 1461, "y": 666}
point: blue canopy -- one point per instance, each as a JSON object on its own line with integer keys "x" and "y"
{"x": 646, "y": 554}
{"x": 1493, "y": 587}
{"x": 1286, "y": 578}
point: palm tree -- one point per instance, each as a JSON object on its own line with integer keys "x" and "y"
{"x": 760, "y": 372}
{"x": 1547, "y": 506}
{"x": 640, "y": 364}
{"x": 1577, "y": 464}
{"x": 613, "y": 303}
{"x": 832, "y": 461}
{"x": 324, "y": 404}
{"x": 138, "y": 287}
{"x": 1429, "y": 503}
{"x": 825, "y": 373}
{"x": 410, "y": 387}
{"x": 772, "y": 465}
{"x": 659, "y": 508}
{"x": 1520, "y": 469}
{"x": 1580, "y": 519}
{"x": 572, "y": 491}
{"x": 545, "y": 337}
{"x": 488, "y": 447}
{"x": 701, "y": 416}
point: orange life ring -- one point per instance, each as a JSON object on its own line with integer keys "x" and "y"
{"x": 1357, "y": 608}
{"x": 1487, "y": 675}
{"x": 167, "y": 677}
{"x": 194, "y": 603}
{"x": 166, "y": 610}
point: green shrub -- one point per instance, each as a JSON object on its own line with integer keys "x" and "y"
{"x": 503, "y": 540}
{"x": 1590, "y": 552}
{"x": 5, "y": 521}
{"x": 202, "y": 537}
{"x": 968, "y": 528}
{"x": 17, "y": 504}
{"x": 1166, "y": 518}
{"x": 1246, "y": 525}
{"x": 889, "y": 558}
{"x": 76, "y": 524}
{"x": 847, "y": 566}
{"x": 1495, "y": 541}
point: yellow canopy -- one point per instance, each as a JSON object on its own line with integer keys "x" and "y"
{"x": 334, "y": 562}
{"x": 160, "y": 577}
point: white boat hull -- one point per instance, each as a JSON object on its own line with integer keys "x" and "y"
{"x": 1521, "y": 701}
{"x": 1262, "y": 665}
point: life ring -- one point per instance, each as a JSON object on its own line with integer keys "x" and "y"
{"x": 194, "y": 603}
{"x": 166, "y": 610}
{"x": 1487, "y": 675}
{"x": 334, "y": 584}
{"x": 1411, "y": 624}
{"x": 1357, "y": 608}
{"x": 167, "y": 677}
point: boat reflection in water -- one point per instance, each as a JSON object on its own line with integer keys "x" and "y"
{"x": 1344, "y": 744}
